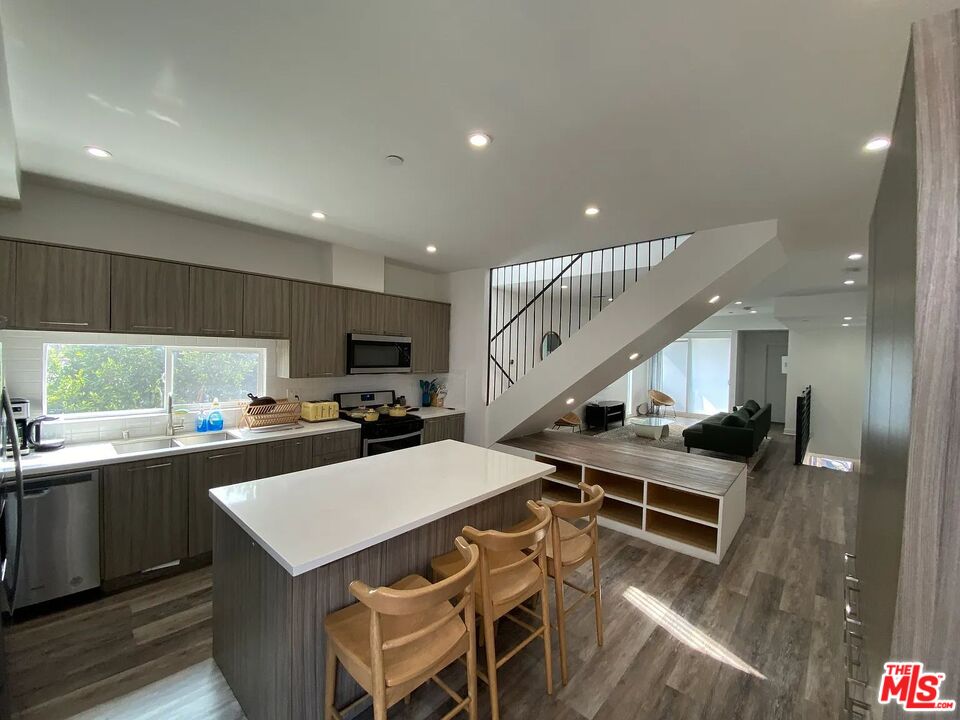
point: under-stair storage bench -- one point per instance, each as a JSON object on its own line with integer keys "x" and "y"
{"x": 689, "y": 503}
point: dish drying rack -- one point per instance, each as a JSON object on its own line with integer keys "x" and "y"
{"x": 275, "y": 416}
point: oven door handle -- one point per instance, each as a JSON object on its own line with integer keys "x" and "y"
{"x": 393, "y": 438}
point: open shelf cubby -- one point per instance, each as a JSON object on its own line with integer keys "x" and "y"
{"x": 691, "y": 505}
{"x": 680, "y": 530}
{"x": 613, "y": 484}
{"x": 622, "y": 512}
{"x": 559, "y": 491}
{"x": 566, "y": 471}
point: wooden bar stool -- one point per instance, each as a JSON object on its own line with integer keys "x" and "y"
{"x": 508, "y": 578}
{"x": 569, "y": 547}
{"x": 399, "y": 637}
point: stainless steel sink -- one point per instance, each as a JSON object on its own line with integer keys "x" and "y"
{"x": 138, "y": 446}
{"x": 205, "y": 438}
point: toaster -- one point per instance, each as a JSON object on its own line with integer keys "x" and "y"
{"x": 319, "y": 411}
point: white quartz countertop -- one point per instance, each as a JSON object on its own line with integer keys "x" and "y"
{"x": 86, "y": 455}
{"x": 428, "y": 413}
{"x": 313, "y": 517}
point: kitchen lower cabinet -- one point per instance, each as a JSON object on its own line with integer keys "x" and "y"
{"x": 337, "y": 447}
{"x": 285, "y": 456}
{"x": 144, "y": 515}
{"x": 216, "y": 468}
{"x": 443, "y": 428}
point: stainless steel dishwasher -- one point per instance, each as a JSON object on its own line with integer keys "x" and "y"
{"x": 61, "y": 536}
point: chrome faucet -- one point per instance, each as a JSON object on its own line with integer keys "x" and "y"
{"x": 173, "y": 427}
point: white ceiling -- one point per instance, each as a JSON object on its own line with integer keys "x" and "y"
{"x": 671, "y": 115}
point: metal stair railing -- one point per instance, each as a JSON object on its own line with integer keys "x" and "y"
{"x": 535, "y": 306}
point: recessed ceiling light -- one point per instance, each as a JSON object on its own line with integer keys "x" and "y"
{"x": 881, "y": 142}
{"x": 394, "y": 160}
{"x": 634, "y": 356}
{"x": 97, "y": 152}
{"x": 609, "y": 299}
{"x": 849, "y": 282}
{"x": 563, "y": 287}
{"x": 848, "y": 317}
{"x": 592, "y": 211}
{"x": 479, "y": 139}
{"x": 570, "y": 401}
{"x": 431, "y": 248}
{"x": 845, "y": 324}
{"x": 317, "y": 215}
{"x": 855, "y": 256}
{"x": 738, "y": 302}
{"x": 753, "y": 312}
{"x": 713, "y": 299}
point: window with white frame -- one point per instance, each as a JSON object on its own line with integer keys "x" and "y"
{"x": 695, "y": 372}
{"x": 94, "y": 379}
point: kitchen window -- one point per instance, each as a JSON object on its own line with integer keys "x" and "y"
{"x": 89, "y": 379}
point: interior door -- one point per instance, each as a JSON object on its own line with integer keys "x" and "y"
{"x": 775, "y": 385}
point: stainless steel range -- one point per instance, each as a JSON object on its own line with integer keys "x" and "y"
{"x": 386, "y": 433}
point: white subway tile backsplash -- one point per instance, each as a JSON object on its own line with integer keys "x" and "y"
{"x": 23, "y": 370}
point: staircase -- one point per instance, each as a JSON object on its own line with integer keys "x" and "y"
{"x": 562, "y": 329}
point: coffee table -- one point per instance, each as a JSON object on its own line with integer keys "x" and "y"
{"x": 655, "y": 428}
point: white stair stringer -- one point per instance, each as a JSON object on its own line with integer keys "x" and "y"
{"x": 668, "y": 302}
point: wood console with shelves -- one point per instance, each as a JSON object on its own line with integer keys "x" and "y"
{"x": 689, "y": 503}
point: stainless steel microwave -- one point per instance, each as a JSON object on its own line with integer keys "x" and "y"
{"x": 372, "y": 354}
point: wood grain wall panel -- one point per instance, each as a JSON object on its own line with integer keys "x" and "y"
{"x": 263, "y": 617}
{"x": 889, "y": 369}
{"x": 927, "y": 624}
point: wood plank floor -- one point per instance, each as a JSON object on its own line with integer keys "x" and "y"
{"x": 758, "y": 636}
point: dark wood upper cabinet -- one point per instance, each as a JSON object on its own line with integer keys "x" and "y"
{"x": 62, "y": 288}
{"x": 216, "y": 302}
{"x": 318, "y": 339}
{"x": 149, "y": 296}
{"x": 439, "y": 331}
{"x": 226, "y": 466}
{"x": 266, "y": 307}
{"x": 430, "y": 329}
{"x": 8, "y": 279}
{"x": 144, "y": 515}
{"x": 366, "y": 312}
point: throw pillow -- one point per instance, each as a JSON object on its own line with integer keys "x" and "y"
{"x": 751, "y": 406}
{"x": 734, "y": 419}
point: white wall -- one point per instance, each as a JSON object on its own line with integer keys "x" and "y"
{"x": 403, "y": 280}
{"x": 355, "y": 268}
{"x": 72, "y": 217}
{"x": 831, "y": 360}
{"x": 467, "y": 293}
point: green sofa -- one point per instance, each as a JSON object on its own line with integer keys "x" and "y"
{"x": 735, "y": 433}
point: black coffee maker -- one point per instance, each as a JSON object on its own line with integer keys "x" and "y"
{"x": 21, "y": 413}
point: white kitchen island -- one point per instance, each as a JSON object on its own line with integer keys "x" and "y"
{"x": 286, "y": 548}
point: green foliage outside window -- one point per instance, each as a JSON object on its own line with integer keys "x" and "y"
{"x": 104, "y": 378}
{"x": 200, "y": 376}
{"x": 131, "y": 378}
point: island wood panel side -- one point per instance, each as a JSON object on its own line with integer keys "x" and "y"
{"x": 322, "y": 591}
{"x": 251, "y": 621}
{"x": 268, "y": 625}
